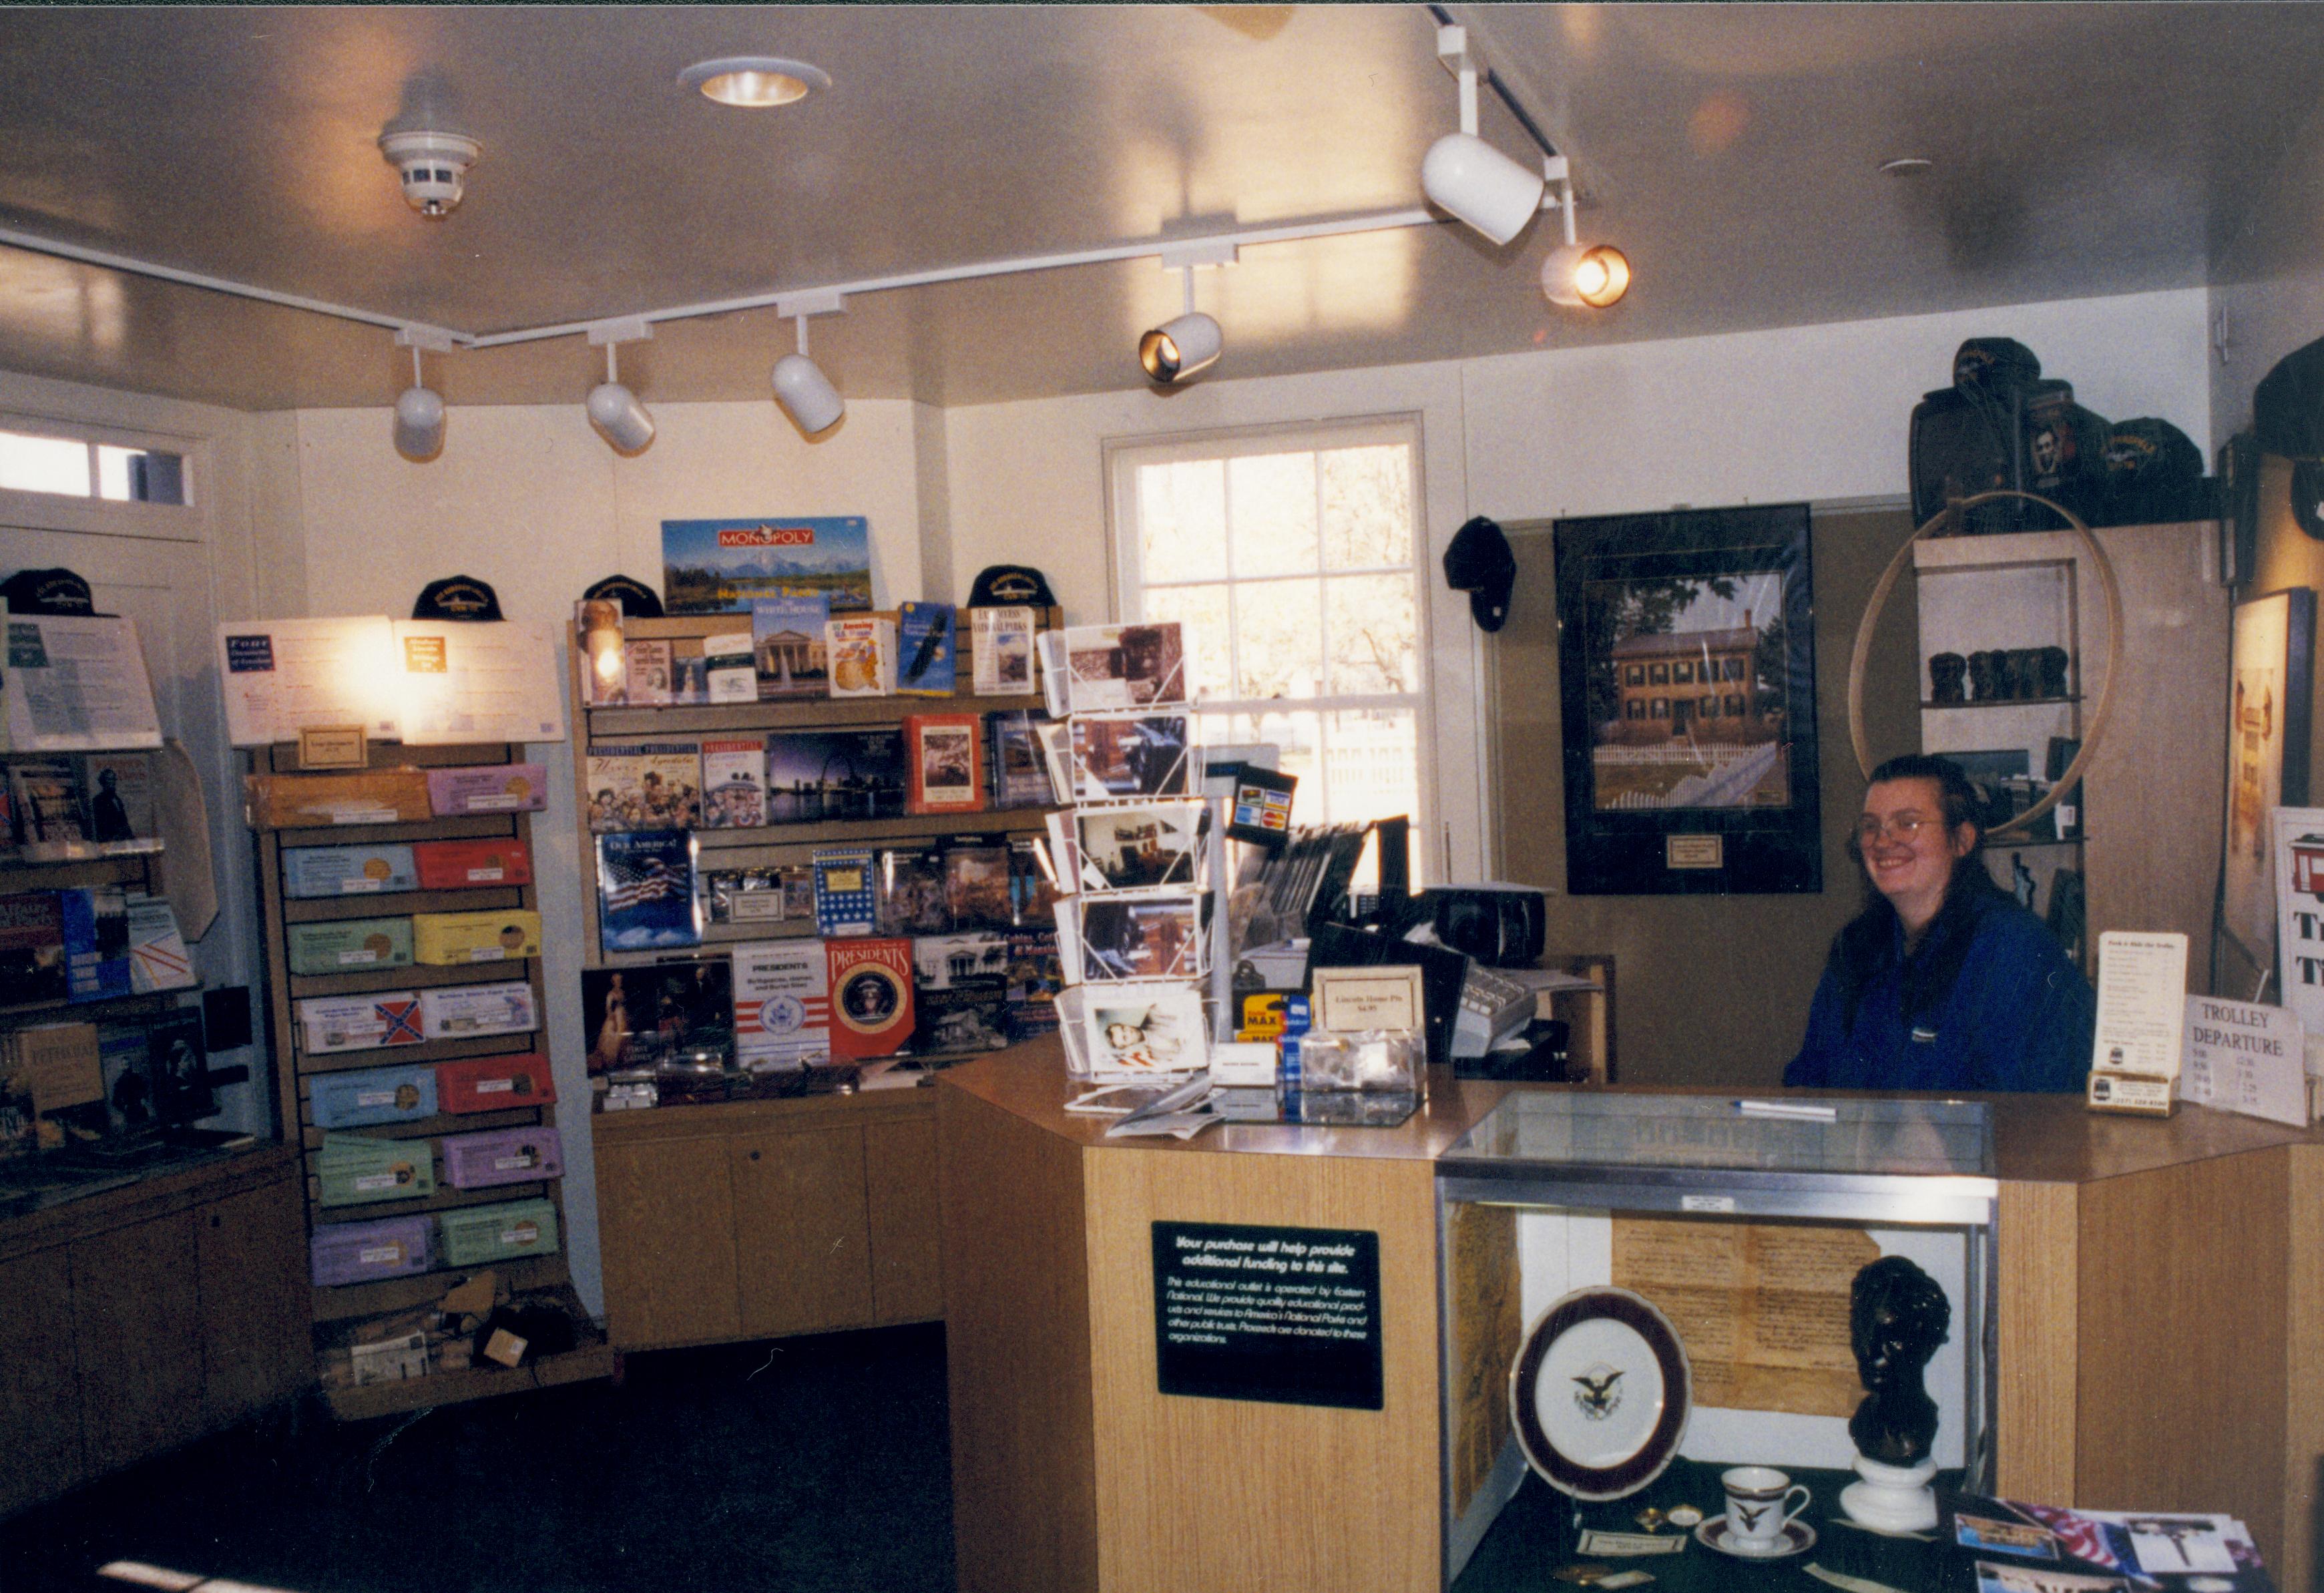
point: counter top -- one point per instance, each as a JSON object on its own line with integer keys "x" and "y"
{"x": 146, "y": 1192}
{"x": 2037, "y": 1138}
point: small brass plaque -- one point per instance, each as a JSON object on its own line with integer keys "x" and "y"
{"x": 1694, "y": 851}
{"x": 336, "y": 746}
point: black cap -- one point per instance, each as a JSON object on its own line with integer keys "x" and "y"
{"x": 638, "y": 600}
{"x": 1479, "y": 563}
{"x": 2288, "y": 405}
{"x": 456, "y": 597}
{"x": 47, "y": 592}
{"x": 1012, "y": 586}
{"x": 1995, "y": 366}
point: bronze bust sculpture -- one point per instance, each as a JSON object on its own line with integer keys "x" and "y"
{"x": 1897, "y": 1316}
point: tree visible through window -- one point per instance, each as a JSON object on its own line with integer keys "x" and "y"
{"x": 1292, "y": 560}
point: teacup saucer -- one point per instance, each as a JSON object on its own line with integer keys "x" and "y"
{"x": 1798, "y": 1537}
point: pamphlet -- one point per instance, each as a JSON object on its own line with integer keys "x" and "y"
{"x": 77, "y": 683}
{"x": 2142, "y": 1003}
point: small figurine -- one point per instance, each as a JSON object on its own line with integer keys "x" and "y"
{"x": 1897, "y": 1316}
{"x": 1947, "y": 672}
{"x": 2052, "y": 662}
{"x": 1984, "y": 676}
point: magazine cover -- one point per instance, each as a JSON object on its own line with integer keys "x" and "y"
{"x": 817, "y": 776}
{"x": 846, "y": 899}
{"x": 782, "y": 1004}
{"x": 1000, "y": 652}
{"x": 722, "y": 566}
{"x": 644, "y": 788}
{"x": 976, "y": 885}
{"x": 1137, "y": 1031}
{"x": 1139, "y": 848}
{"x": 947, "y": 755}
{"x": 786, "y": 646}
{"x": 959, "y": 994}
{"x": 1034, "y": 975}
{"x": 911, "y": 892}
{"x": 733, "y": 784}
{"x": 645, "y": 891}
{"x": 926, "y": 647}
{"x": 1125, "y": 666}
{"x": 862, "y": 656}
{"x": 870, "y": 998}
{"x": 1020, "y": 773}
{"x": 1116, "y": 756}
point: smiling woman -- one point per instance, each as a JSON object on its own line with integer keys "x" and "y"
{"x": 1943, "y": 982}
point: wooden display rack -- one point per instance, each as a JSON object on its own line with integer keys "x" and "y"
{"x": 757, "y": 1219}
{"x": 335, "y": 1308}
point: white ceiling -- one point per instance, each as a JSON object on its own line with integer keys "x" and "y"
{"x": 1731, "y": 150}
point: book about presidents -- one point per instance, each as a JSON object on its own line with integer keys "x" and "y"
{"x": 733, "y": 784}
{"x": 643, "y": 787}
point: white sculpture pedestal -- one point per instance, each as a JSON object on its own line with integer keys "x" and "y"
{"x": 1892, "y": 1498}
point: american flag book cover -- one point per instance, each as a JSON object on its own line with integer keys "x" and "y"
{"x": 645, "y": 891}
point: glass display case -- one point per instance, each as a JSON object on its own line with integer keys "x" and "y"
{"x": 1743, "y": 1222}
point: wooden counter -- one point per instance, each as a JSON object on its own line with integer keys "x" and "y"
{"x": 135, "y": 1319}
{"x": 2161, "y": 1314}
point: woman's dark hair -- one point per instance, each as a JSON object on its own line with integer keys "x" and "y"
{"x": 1866, "y": 942}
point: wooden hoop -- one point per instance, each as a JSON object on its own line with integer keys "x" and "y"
{"x": 2017, "y": 827}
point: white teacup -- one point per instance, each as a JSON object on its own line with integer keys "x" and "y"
{"x": 1759, "y": 1507}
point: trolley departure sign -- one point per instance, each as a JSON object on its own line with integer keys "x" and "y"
{"x": 1284, "y": 1315}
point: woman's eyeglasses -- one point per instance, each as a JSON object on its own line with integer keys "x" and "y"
{"x": 1903, "y": 826}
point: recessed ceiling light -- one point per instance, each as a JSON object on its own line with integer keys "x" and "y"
{"x": 754, "y": 80}
{"x": 1906, "y": 166}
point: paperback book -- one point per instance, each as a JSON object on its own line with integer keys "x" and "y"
{"x": 1020, "y": 773}
{"x": 870, "y": 998}
{"x": 782, "y": 1004}
{"x": 945, "y": 753}
{"x": 644, "y": 788}
{"x": 817, "y": 776}
{"x": 846, "y": 900}
{"x": 119, "y": 790}
{"x": 733, "y": 784}
{"x": 1002, "y": 652}
{"x": 928, "y": 647}
{"x": 46, "y": 793}
{"x": 645, "y": 891}
{"x": 788, "y": 650}
{"x": 912, "y": 898}
{"x": 646, "y": 672}
{"x": 862, "y": 650}
{"x": 976, "y": 885}
{"x": 960, "y": 985}
{"x": 1034, "y": 977}
{"x": 729, "y": 672}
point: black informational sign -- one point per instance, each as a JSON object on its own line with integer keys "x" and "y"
{"x": 1285, "y": 1315}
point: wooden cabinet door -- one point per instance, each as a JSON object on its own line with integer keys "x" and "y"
{"x": 253, "y": 1256}
{"x": 665, "y": 1241}
{"x": 899, "y": 1165}
{"x": 136, "y": 1318}
{"x": 40, "y": 1388}
{"x": 802, "y": 1230}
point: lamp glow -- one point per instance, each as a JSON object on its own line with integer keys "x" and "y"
{"x": 754, "y": 82}
{"x": 1586, "y": 276}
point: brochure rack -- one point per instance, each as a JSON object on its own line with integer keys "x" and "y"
{"x": 340, "y": 1312}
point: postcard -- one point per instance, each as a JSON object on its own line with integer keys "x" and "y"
{"x": 1137, "y": 1031}
{"x": 1156, "y": 844}
{"x": 1140, "y": 937}
{"x": 1129, "y": 755}
{"x": 1125, "y": 666}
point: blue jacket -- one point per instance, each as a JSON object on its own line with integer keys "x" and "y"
{"x": 2019, "y": 1016}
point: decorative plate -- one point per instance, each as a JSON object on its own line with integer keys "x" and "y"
{"x": 1796, "y": 1538}
{"x": 1600, "y": 1394}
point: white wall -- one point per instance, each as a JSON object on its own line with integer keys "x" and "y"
{"x": 177, "y": 590}
{"x": 1809, "y": 412}
{"x": 529, "y": 499}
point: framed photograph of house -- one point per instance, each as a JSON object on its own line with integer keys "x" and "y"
{"x": 1686, "y": 659}
{"x": 2268, "y": 717}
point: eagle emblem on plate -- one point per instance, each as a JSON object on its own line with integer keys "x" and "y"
{"x": 1595, "y": 1393}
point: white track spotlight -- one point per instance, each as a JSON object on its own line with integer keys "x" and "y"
{"x": 420, "y": 413}
{"x": 804, "y": 393}
{"x": 1465, "y": 175}
{"x": 1589, "y": 276}
{"x": 1180, "y": 349}
{"x": 613, "y": 410}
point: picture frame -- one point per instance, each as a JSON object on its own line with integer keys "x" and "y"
{"x": 1686, "y": 657}
{"x": 2268, "y": 708}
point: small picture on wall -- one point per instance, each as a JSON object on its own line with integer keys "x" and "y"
{"x": 2268, "y": 714}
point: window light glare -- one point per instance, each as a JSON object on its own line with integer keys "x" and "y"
{"x": 754, "y": 82}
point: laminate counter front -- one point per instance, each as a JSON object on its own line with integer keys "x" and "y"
{"x": 2160, "y": 1311}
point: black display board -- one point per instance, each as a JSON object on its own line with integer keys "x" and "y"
{"x": 1283, "y": 1315}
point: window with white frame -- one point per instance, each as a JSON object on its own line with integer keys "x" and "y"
{"x": 1293, "y": 558}
{"x": 69, "y": 465}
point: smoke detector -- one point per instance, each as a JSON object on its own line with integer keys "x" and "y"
{"x": 432, "y": 165}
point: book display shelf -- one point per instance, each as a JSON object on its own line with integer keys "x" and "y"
{"x": 424, "y": 1241}
{"x": 757, "y": 1217}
